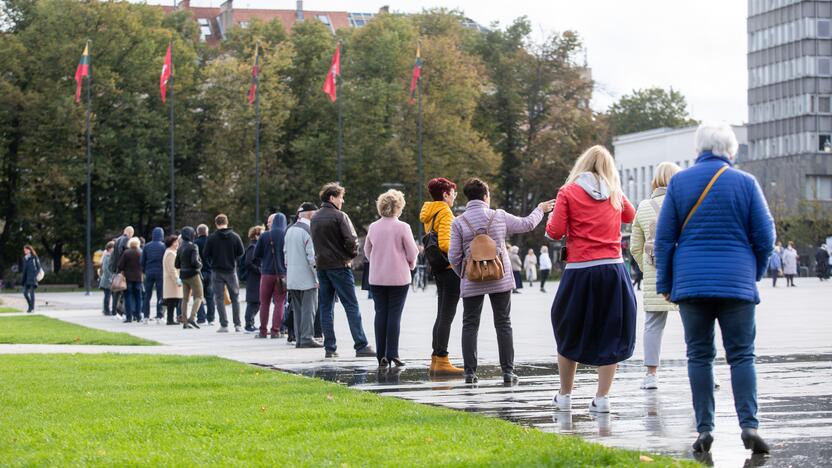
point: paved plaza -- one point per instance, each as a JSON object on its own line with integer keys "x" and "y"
{"x": 794, "y": 351}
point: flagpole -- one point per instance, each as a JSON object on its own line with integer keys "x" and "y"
{"x": 88, "y": 253}
{"x": 340, "y": 170}
{"x": 421, "y": 163}
{"x": 257, "y": 137}
{"x": 172, "y": 168}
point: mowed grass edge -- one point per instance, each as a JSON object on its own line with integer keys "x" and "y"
{"x": 38, "y": 329}
{"x": 98, "y": 410}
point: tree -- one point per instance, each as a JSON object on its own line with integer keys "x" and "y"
{"x": 646, "y": 109}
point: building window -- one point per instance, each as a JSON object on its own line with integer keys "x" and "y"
{"x": 824, "y": 106}
{"x": 825, "y": 142}
{"x": 819, "y": 187}
{"x": 244, "y": 24}
{"x": 204, "y": 29}
{"x": 824, "y": 66}
{"x": 824, "y": 30}
{"x": 325, "y": 20}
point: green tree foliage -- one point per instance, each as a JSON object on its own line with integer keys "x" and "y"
{"x": 646, "y": 109}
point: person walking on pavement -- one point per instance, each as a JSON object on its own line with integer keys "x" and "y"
{"x": 642, "y": 248}
{"x": 189, "y": 264}
{"x": 516, "y": 268}
{"x": 129, "y": 264}
{"x": 545, "y": 267}
{"x": 822, "y": 262}
{"x": 530, "y": 267}
{"x": 479, "y": 219}
{"x": 171, "y": 283}
{"x": 207, "y": 310}
{"x": 223, "y": 250}
{"x": 120, "y": 245}
{"x": 252, "y": 279}
{"x": 336, "y": 245}
{"x": 29, "y": 268}
{"x": 301, "y": 278}
{"x": 592, "y": 328}
{"x": 775, "y": 265}
{"x": 392, "y": 253}
{"x": 437, "y": 217}
{"x": 268, "y": 254}
{"x": 714, "y": 214}
{"x": 152, "y": 255}
{"x": 790, "y": 262}
{"x": 105, "y": 279}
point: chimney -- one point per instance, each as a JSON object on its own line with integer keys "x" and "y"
{"x": 185, "y": 4}
{"x": 299, "y": 10}
{"x": 384, "y": 10}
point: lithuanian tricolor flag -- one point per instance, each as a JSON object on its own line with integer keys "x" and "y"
{"x": 82, "y": 71}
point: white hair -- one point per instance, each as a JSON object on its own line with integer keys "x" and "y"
{"x": 716, "y": 137}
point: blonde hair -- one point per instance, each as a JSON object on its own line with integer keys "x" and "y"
{"x": 390, "y": 203}
{"x": 597, "y": 160}
{"x": 134, "y": 243}
{"x": 664, "y": 171}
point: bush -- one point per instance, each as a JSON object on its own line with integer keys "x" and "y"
{"x": 65, "y": 276}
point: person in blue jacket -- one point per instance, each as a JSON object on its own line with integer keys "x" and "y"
{"x": 712, "y": 246}
{"x": 152, "y": 255}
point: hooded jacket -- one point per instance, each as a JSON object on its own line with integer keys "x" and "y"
{"x": 223, "y": 249}
{"x": 187, "y": 257}
{"x": 268, "y": 253}
{"x": 440, "y": 215}
{"x": 334, "y": 237}
{"x": 153, "y": 253}
{"x": 586, "y": 216}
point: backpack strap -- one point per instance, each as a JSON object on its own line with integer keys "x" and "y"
{"x": 704, "y": 193}
{"x": 468, "y": 224}
{"x": 432, "y": 222}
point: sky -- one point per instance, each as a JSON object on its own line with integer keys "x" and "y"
{"x": 698, "y": 48}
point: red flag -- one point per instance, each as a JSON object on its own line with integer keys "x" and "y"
{"x": 166, "y": 72}
{"x": 417, "y": 74}
{"x": 331, "y": 76}
{"x": 255, "y": 70}
{"x": 82, "y": 71}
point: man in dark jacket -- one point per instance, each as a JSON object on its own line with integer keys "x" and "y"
{"x": 189, "y": 264}
{"x": 222, "y": 251}
{"x": 207, "y": 309}
{"x": 336, "y": 244}
{"x": 152, "y": 268}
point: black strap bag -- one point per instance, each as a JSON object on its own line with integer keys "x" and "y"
{"x": 437, "y": 259}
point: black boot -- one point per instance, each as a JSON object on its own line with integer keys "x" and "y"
{"x": 753, "y": 441}
{"x": 703, "y": 442}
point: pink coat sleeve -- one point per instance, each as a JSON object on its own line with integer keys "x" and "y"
{"x": 409, "y": 244}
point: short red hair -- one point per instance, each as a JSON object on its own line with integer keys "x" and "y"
{"x": 439, "y": 186}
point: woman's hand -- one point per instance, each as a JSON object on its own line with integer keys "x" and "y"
{"x": 547, "y": 206}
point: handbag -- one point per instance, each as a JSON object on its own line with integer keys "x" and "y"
{"x": 226, "y": 298}
{"x": 40, "y": 274}
{"x": 437, "y": 259}
{"x": 119, "y": 283}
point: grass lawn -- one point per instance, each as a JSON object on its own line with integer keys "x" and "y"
{"x": 37, "y": 329}
{"x": 6, "y": 310}
{"x": 117, "y": 410}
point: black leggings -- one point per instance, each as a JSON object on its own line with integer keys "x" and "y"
{"x": 172, "y": 304}
{"x": 544, "y": 275}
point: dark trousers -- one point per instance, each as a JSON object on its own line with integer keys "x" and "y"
{"x": 108, "y": 299}
{"x": 289, "y": 316}
{"x": 271, "y": 292}
{"x": 251, "y": 311}
{"x": 222, "y": 281}
{"x": 172, "y": 304}
{"x": 737, "y": 323}
{"x": 303, "y": 306}
{"x": 389, "y": 304}
{"x": 207, "y": 311}
{"x": 29, "y": 294}
{"x": 118, "y": 302}
{"x": 133, "y": 301}
{"x": 789, "y": 280}
{"x": 471, "y": 312}
{"x": 774, "y": 274}
{"x": 151, "y": 280}
{"x": 318, "y": 331}
{"x": 544, "y": 275}
{"x": 339, "y": 281}
{"x": 447, "y": 285}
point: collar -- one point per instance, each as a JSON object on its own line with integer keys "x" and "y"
{"x": 708, "y": 156}
{"x": 475, "y": 204}
{"x": 659, "y": 192}
{"x": 304, "y": 221}
{"x": 327, "y": 204}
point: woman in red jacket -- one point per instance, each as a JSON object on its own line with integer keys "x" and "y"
{"x": 594, "y": 313}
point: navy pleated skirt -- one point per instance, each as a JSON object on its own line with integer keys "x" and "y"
{"x": 594, "y": 315}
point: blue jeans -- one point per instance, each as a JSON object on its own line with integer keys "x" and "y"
{"x": 29, "y": 294}
{"x": 342, "y": 282}
{"x": 736, "y": 321}
{"x": 149, "y": 281}
{"x": 208, "y": 308}
{"x": 389, "y": 303}
{"x": 133, "y": 301}
{"x": 108, "y": 296}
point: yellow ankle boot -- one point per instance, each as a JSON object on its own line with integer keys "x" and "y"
{"x": 441, "y": 365}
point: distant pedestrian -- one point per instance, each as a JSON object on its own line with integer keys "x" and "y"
{"x": 637, "y": 274}
{"x": 268, "y": 255}
{"x": 223, "y": 250}
{"x": 822, "y": 262}
{"x": 594, "y": 311}
{"x": 120, "y": 245}
{"x": 152, "y": 255}
{"x": 105, "y": 279}
{"x": 642, "y": 248}
{"x": 714, "y": 215}
{"x": 530, "y": 267}
{"x": 488, "y": 226}
{"x": 545, "y": 267}
{"x": 336, "y": 245}
{"x": 171, "y": 283}
{"x": 129, "y": 264}
{"x": 189, "y": 264}
{"x": 29, "y": 268}
{"x": 301, "y": 280}
{"x": 516, "y": 268}
{"x": 252, "y": 279}
{"x": 775, "y": 265}
{"x": 790, "y": 262}
{"x": 392, "y": 253}
{"x": 208, "y": 309}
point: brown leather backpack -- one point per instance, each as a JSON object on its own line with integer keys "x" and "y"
{"x": 484, "y": 262}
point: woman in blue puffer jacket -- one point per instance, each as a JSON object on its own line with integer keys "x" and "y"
{"x": 713, "y": 241}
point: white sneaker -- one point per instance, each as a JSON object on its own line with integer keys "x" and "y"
{"x": 145, "y": 321}
{"x": 237, "y": 328}
{"x": 562, "y": 402}
{"x": 650, "y": 382}
{"x": 210, "y": 324}
{"x": 600, "y": 405}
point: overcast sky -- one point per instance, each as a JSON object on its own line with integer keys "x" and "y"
{"x": 698, "y": 48}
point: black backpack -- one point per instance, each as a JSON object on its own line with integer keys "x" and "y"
{"x": 437, "y": 259}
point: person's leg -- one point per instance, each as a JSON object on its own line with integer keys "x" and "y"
{"x": 501, "y": 308}
{"x": 295, "y": 303}
{"x": 233, "y": 285}
{"x": 306, "y": 317}
{"x": 698, "y": 321}
{"x": 605, "y": 376}
{"x": 471, "y": 311}
{"x": 160, "y": 291}
{"x": 319, "y": 333}
{"x": 737, "y": 322}
{"x": 208, "y": 291}
{"x": 395, "y": 306}
{"x": 654, "y": 323}
{"x": 170, "y": 305}
{"x": 29, "y": 294}
{"x": 196, "y": 287}
{"x": 266, "y": 295}
{"x": 289, "y": 317}
{"x": 218, "y": 284}
{"x": 183, "y": 306}
{"x": 326, "y": 303}
{"x": 344, "y": 283}
{"x": 118, "y": 304}
{"x": 544, "y": 275}
{"x": 566, "y": 374}
{"x": 148, "y": 287}
{"x": 773, "y": 278}
{"x": 447, "y": 283}
{"x": 277, "y": 315}
{"x": 107, "y": 299}
{"x": 381, "y": 302}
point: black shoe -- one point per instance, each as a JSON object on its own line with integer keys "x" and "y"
{"x": 186, "y": 326}
{"x": 290, "y": 339}
{"x": 330, "y": 355}
{"x": 310, "y": 344}
{"x": 193, "y": 324}
{"x": 250, "y": 329}
{"x": 200, "y": 322}
{"x": 753, "y": 441}
{"x": 397, "y": 362}
{"x": 703, "y": 442}
{"x": 260, "y": 336}
{"x": 126, "y": 321}
{"x": 471, "y": 378}
{"x": 383, "y": 362}
{"x": 171, "y": 323}
{"x": 510, "y": 378}
{"x": 366, "y": 351}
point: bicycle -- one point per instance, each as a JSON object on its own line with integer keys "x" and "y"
{"x": 420, "y": 278}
